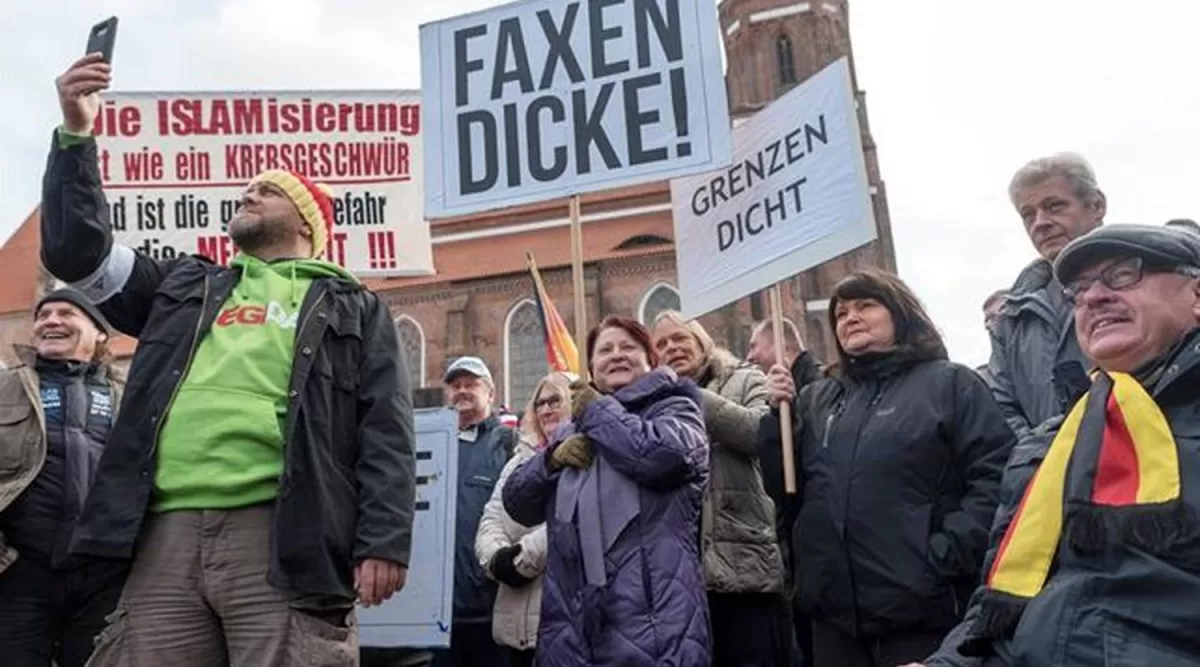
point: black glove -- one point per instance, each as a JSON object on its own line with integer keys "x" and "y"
{"x": 504, "y": 570}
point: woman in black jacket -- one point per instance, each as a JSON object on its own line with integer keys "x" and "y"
{"x": 899, "y": 455}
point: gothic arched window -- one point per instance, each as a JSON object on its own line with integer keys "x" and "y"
{"x": 785, "y": 61}
{"x": 524, "y": 354}
{"x": 659, "y": 298}
{"x": 412, "y": 346}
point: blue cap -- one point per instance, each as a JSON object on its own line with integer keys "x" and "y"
{"x": 471, "y": 365}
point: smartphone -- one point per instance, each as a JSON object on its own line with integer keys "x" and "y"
{"x": 102, "y": 38}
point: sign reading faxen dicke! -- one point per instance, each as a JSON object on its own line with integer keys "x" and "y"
{"x": 175, "y": 165}
{"x": 794, "y": 196}
{"x": 545, "y": 98}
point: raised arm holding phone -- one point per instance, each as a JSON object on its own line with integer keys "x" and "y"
{"x": 262, "y": 472}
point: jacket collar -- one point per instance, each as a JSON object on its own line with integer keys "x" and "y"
{"x": 1181, "y": 366}
{"x": 656, "y": 385}
{"x": 28, "y": 356}
{"x": 1028, "y": 295}
{"x": 1033, "y": 278}
{"x": 719, "y": 368}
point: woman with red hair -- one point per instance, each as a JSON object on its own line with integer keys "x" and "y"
{"x": 620, "y": 490}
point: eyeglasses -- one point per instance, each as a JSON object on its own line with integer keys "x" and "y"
{"x": 552, "y": 402}
{"x": 1121, "y": 276}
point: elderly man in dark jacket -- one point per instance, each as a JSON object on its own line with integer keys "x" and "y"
{"x": 56, "y": 408}
{"x": 262, "y": 472}
{"x": 1096, "y": 557}
{"x": 484, "y": 446}
{"x": 1036, "y": 360}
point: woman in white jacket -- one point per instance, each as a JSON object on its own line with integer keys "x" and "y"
{"x": 512, "y": 554}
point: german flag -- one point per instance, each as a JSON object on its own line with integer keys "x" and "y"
{"x": 561, "y": 352}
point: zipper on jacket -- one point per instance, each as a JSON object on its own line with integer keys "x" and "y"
{"x": 162, "y": 418}
{"x": 845, "y": 528}
{"x": 828, "y": 428}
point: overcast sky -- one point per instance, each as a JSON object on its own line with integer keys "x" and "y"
{"x": 959, "y": 94}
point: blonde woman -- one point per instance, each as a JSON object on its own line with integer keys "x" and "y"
{"x": 743, "y": 567}
{"x": 512, "y": 554}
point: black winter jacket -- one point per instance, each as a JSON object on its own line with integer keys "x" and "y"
{"x": 898, "y": 474}
{"x": 347, "y": 492}
{"x": 1120, "y": 606}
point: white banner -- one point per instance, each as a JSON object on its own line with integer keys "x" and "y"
{"x": 546, "y": 98}
{"x": 795, "y": 196}
{"x": 175, "y": 164}
{"x": 421, "y": 615}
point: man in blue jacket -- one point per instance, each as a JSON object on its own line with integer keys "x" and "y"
{"x": 1035, "y": 357}
{"x": 484, "y": 446}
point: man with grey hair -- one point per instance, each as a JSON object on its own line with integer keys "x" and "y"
{"x": 484, "y": 446}
{"x": 1036, "y": 364}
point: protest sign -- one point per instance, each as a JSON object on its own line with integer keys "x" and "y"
{"x": 175, "y": 164}
{"x": 420, "y": 615}
{"x": 794, "y": 196}
{"x": 548, "y": 98}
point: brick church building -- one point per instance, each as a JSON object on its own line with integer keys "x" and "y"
{"x": 480, "y": 300}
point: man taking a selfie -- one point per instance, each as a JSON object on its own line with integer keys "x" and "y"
{"x": 262, "y": 473}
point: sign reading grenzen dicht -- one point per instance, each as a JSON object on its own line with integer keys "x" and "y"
{"x": 174, "y": 166}
{"x": 547, "y": 98}
{"x": 795, "y": 195}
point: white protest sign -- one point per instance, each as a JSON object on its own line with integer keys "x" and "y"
{"x": 420, "y": 615}
{"x": 546, "y": 98}
{"x": 795, "y": 195}
{"x": 174, "y": 165}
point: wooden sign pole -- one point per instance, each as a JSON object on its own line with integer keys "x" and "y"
{"x": 785, "y": 408}
{"x": 580, "y": 298}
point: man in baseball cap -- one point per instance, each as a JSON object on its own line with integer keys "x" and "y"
{"x": 484, "y": 446}
{"x": 1103, "y": 517}
{"x": 472, "y": 366}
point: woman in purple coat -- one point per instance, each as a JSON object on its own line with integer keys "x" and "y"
{"x": 620, "y": 491}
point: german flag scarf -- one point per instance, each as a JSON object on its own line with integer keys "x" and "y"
{"x": 1110, "y": 475}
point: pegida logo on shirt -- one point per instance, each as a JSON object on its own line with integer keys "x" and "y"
{"x": 273, "y": 313}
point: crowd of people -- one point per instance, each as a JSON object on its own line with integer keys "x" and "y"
{"x": 233, "y": 498}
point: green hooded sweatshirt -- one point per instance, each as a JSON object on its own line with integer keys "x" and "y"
{"x": 221, "y": 446}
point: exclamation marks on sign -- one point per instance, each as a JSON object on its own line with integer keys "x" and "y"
{"x": 680, "y": 104}
{"x": 381, "y": 250}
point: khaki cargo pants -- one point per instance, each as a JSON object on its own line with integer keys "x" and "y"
{"x": 197, "y": 596}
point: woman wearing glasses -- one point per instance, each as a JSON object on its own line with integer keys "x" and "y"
{"x": 512, "y": 554}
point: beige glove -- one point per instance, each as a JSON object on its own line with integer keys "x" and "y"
{"x": 575, "y": 451}
{"x": 582, "y": 394}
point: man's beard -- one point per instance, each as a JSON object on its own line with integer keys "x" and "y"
{"x": 256, "y": 234}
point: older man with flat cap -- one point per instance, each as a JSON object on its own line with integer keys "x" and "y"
{"x": 1096, "y": 557}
